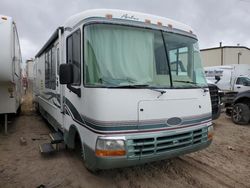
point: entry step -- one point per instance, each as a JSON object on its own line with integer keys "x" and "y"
{"x": 47, "y": 148}
{"x": 56, "y": 138}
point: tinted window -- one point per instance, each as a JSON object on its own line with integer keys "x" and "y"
{"x": 50, "y": 69}
{"x": 47, "y": 68}
{"x": 53, "y": 70}
{"x": 74, "y": 55}
{"x": 57, "y": 60}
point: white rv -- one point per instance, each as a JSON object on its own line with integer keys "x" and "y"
{"x": 10, "y": 68}
{"x": 230, "y": 77}
{"x": 130, "y": 86}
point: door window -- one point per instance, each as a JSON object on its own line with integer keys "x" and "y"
{"x": 74, "y": 55}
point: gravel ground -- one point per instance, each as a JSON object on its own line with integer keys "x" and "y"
{"x": 226, "y": 163}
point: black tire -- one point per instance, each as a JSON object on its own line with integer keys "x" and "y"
{"x": 79, "y": 148}
{"x": 80, "y": 153}
{"x": 241, "y": 114}
{"x": 18, "y": 112}
{"x": 36, "y": 106}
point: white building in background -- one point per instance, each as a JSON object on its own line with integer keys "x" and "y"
{"x": 225, "y": 55}
{"x": 29, "y": 69}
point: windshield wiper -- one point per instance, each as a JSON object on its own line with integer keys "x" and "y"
{"x": 183, "y": 81}
{"x": 129, "y": 86}
{"x": 139, "y": 86}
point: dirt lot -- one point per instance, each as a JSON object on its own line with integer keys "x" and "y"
{"x": 226, "y": 163}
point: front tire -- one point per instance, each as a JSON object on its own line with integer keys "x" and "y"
{"x": 241, "y": 114}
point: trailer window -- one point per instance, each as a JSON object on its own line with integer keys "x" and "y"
{"x": 74, "y": 55}
{"x": 57, "y": 60}
{"x": 53, "y": 69}
{"x": 17, "y": 53}
{"x": 50, "y": 69}
{"x": 47, "y": 70}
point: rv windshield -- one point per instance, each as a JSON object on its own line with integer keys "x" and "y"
{"x": 117, "y": 56}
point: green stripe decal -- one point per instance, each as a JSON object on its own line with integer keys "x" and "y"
{"x": 125, "y": 126}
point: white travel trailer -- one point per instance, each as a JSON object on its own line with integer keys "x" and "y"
{"x": 10, "y": 71}
{"x": 230, "y": 77}
{"x": 130, "y": 86}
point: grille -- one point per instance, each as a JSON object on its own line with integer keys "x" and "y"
{"x": 213, "y": 90}
{"x": 156, "y": 145}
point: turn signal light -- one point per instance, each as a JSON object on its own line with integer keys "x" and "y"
{"x": 110, "y": 153}
{"x": 210, "y": 133}
{"x": 210, "y": 136}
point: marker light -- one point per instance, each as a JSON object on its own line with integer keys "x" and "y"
{"x": 170, "y": 26}
{"x": 210, "y": 132}
{"x": 147, "y": 21}
{"x": 110, "y": 148}
{"x": 159, "y": 23}
{"x": 109, "y": 16}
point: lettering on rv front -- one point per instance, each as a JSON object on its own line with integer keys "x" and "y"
{"x": 129, "y": 17}
{"x": 212, "y": 73}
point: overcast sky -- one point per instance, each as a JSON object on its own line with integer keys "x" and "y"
{"x": 227, "y": 21}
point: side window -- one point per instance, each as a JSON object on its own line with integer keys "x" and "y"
{"x": 69, "y": 49}
{"x": 74, "y": 55}
{"x": 17, "y": 52}
{"x": 178, "y": 61}
{"x": 57, "y": 60}
{"x": 47, "y": 70}
{"x": 50, "y": 69}
{"x": 243, "y": 81}
{"x": 239, "y": 81}
{"x": 161, "y": 61}
{"x": 53, "y": 70}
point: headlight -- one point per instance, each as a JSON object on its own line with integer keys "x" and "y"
{"x": 110, "y": 147}
{"x": 210, "y": 132}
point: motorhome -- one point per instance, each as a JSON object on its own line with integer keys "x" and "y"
{"x": 10, "y": 71}
{"x": 234, "y": 77}
{"x": 128, "y": 86}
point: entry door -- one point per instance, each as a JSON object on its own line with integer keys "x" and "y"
{"x": 57, "y": 54}
{"x": 58, "y": 86}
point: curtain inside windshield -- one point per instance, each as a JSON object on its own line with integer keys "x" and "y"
{"x": 118, "y": 55}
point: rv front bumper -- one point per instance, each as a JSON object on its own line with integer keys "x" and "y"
{"x": 142, "y": 149}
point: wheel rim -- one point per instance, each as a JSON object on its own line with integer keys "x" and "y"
{"x": 237, "y": 113}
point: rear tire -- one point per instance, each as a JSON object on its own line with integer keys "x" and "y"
{"x": 18, "y": 112}
{"x": 240, "y": 114}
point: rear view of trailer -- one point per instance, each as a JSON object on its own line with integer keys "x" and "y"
{"x": 10, "y": 71}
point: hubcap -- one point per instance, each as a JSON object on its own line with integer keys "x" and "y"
{"x": 237, "y": 114}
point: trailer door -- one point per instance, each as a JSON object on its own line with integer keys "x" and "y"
{"x": 57, "y": 54}
{"x": 58, "y": 86}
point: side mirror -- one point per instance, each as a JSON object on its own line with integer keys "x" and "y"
{"x": 66, "y": 74}
{"x": 217, "y": 78}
